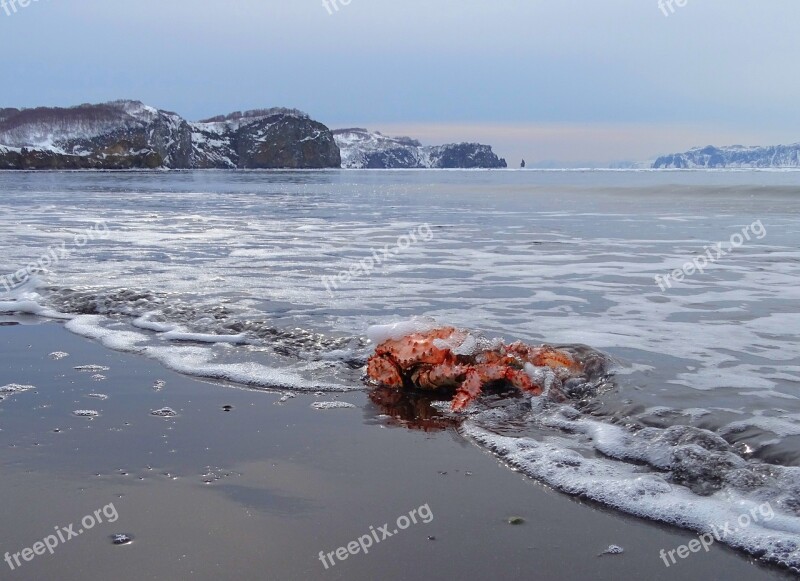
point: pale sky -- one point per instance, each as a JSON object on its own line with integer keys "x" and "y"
{"x": 566, "y": 80}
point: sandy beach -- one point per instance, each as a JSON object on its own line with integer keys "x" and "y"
{"x": 260, "y": 490}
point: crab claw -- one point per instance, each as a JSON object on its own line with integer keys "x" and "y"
{"x": 384, "y": 371}
{"x": 479, "y": 375}
{"x": 438, "y": 376}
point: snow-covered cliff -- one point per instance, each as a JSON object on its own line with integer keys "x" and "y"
{"x": 130, "y": 134}
{"x": 361, "y": 149}
{"x": 736, "y": 156}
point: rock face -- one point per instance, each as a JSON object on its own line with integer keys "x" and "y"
{"x": 465, "y": 155}
{"x": 362, "y": 149}
{"x": 736, "y": 156}
{"x": 130, "y": 135}
{"x": 116, "y": 135}
{"x": 24, "y": 158}
{"x": 263, "y": 139}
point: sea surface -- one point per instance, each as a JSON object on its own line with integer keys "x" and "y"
{"x": 270, "y": 280}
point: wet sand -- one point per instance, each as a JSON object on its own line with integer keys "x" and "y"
{"x": 258, "y": 491}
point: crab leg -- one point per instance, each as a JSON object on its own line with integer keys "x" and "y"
{"x": 479, "y": 375}
{"x": 444, "y": 375}
{"x": 469, "y": 390}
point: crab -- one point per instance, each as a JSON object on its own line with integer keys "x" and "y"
{"x": 450, "y": 358}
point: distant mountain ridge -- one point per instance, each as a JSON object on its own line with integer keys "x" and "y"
{"x": 735, "y": 156}
{"x": 129, "y": 134}
{"x": 363, "y": 149}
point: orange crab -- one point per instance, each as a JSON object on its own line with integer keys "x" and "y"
{"x": 437, "y": 358}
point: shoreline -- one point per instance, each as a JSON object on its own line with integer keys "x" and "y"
{"x": 264, "y": 488}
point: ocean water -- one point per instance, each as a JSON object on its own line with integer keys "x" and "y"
{"x": 271, "y": 280}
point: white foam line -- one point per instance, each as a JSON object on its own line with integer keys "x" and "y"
{"x": 194, "y": 362}
{"x": 649, "y": 496}
{"x": 145, "y": 323}
{"x": 89, "y": 326}
{"x": 31, "y": 307}
{"x": 175, "y": 335}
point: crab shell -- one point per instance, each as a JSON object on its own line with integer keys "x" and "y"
{"x": 420, "y": 360}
